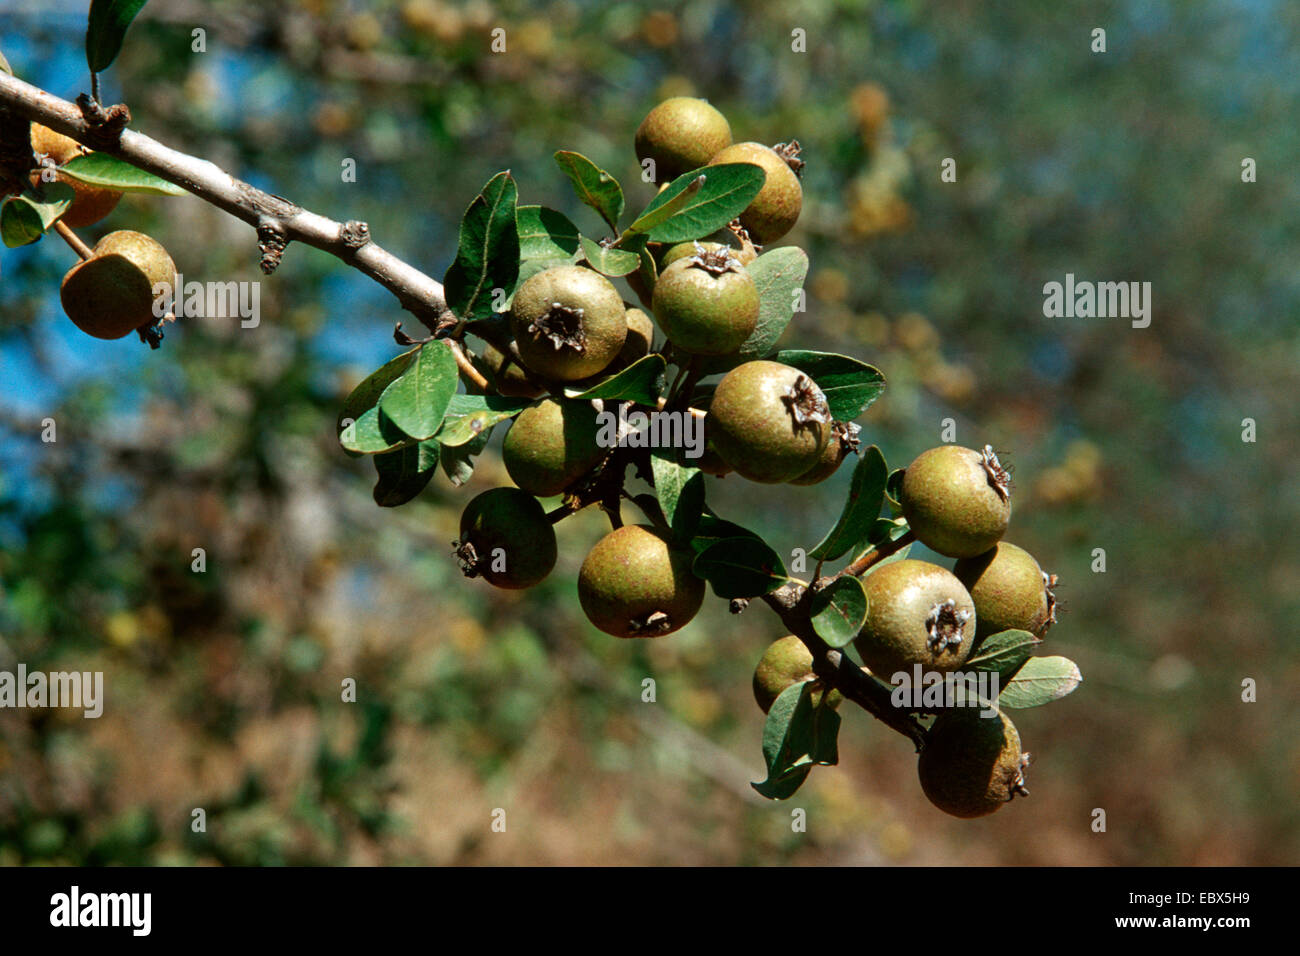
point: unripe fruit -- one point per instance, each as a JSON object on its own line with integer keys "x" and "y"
{"x": 707, "y": 304}
{"x": 1009, "y": 589}
{"x": 91, "y": 203}
{"x": 768, "y": 421}
{"x": 507, "y": 376}
{"x": 640, "y": 337}
{"x": 787, "y": 661}
{"x": 917, "y": 613}
{"x": 111, "y": 294}
{"x": 681, "y": 134}
{"x": 684, "y": 250}
{"x": 711, "y": 462}
{"x": 844, "y": 441}
{"x": 635, "y": 584}
{"x": 506, "y": 537}
{"x": 972, "y": 765}
{"x": 569, "y": 322}
{"x": 551, "y": 445}
{"x": 776, "y": 208}
{"x": 957, "y": 500}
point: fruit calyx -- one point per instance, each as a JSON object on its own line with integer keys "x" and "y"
{"x": 806, "y": 403}
{"x": 651, "y": 625}
{"x": 849, "y": 435}
{"x": 466, "y": 555}
{"x": 946, "y": 625}
{"x": 562, "y": 325}
{"x": 999, "y": 477}
{"x": 1049, "y": 585}
{"x": 715, "y": 262}
{"x": 790, "y": 153}
{"x": 1017, "y": 786}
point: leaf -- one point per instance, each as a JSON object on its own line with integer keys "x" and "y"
{"x": 469, "y": 416}
{"x": 373, "y": 434}
{"x": 1003, "y": 653}
{"x": 866, "y": 490}
{"x": 880, "y": 531}
{"x": 839, "y": 610}
{"x": 727, "y": 190}
{"x": 404, "y": 473}
{"x": 456, "y": 460}
{"x": 595, "y": 187}
{"x": 796, "y": 737}
{"x": 24, "y": 218}
{"x": 742, "y": 567}
{"x": 101, "y": 169}
{"x": 654, "y": 215}
{"x": 1040, "y": 680}
{"x": 545, "y": 234}
{"x": 712, "y": 529}
{"x": 680, "y": 491}
{"x": 642, "y": 382}
{"x": 4, "y": 65}
{"x": 366, "y": 395}
{"x": 487, "y": 257}
{"x": 850, "y": 385}
{"x": 778, "y": 274}
{"x": 614, "y": 263}
{"x": 106, "y": 29}
{"x": 417, "y": 400}
{"x": 894, "y": 486}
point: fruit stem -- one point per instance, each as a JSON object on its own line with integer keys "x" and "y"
{"x": 73, "y": 240}
{"x": 877, "y": 554}
{"x": 467, "y": 370}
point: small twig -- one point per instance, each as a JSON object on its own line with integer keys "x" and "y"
{"x": 467, "y": 369}
{"x": 73, "y": 240}
{"x": 876, "y": 555}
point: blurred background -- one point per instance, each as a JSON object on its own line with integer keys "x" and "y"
{"x": 223, "y": 687}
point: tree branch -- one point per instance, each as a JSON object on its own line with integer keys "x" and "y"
{"x": 277, "y": 221}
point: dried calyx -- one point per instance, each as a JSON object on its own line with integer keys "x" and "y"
{"x": 806, "y": 402}
{"x": 562, "y": 326}
{"x": 946, "y": 625}
{"x": 790, "y": 153}
{"x": 715, "y": 261}
{"x": 999, "y": 477}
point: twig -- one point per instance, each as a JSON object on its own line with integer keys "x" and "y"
{"x": 73, "y": 240}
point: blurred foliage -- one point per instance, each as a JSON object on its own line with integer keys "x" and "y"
{"x": 223, "y": 687}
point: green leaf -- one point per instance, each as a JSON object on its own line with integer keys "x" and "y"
{"x": 1040, "y": 680}
{"x": 880, "y": 531}
{"x": 894, "y": 486}
{"x": 4, "y": 65}
{"x": 24, "y": 218}
{"x": 366, "y": 395}
{"x": 106, "y": 29}
{"x": 101, "y": 169}
{"x": 796, "y": 737}
{"x": 487, "y": 257}
{"x": 417, "y": 401}
{"x": 839, "y": 610}
{"x": 713, "y": 529}
{"x": 457, "y": 460}
{"x": 595, "y": 187}
{"x": 642, "y": 382}
{"x": 654, "y": 215}
{"x": 404, "y": 473}
{"x": 546, "y": 234}
{"x": 778, "y": 275}
{"x": 727, "y": 190}
{"x": 469, "y": 416}
{"x": 850, "y": 385}
{"x": 1003, "y": 652}
{"x": 373, "y": 434}
{"x": 866, "y": 490}
{"x": 680, "y": 490}
{"x": 614, "y": 263}
{"x": 741, "y": 567}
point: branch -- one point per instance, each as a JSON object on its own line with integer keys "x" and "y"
{"x": 277, "y": 221}
{"x": 791, "y": 603}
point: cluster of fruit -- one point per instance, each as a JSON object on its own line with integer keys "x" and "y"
{"x": 112, "y": 291}
{"x": 957, "y": 502}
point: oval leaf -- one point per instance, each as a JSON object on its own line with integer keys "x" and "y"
{"x": 642, "y": 382}
{"x": 100, "y": 169}
{"x": 1003, "y": 653}
{"x": 545, "y": 234}
{"x": 839, "y": 610}
{"x": 726, "y": 191}
{"x": 404, "y": 473}
{"x": 469, "y": 416}
{"x": 106, "y": 29}
{"x": 680, "y": 491}
{"x": 1040, "y": 680}
{"x": 866, "y": 491}
{"x": 614, "y": 263}
{"x": 458, "y": 460}
{"x": 595, "y": 187}
{"x": 487, "y": 256}
{"x": 850, "y": 385}
{"x": 417, "y": 401}
{"x": 366, "y": 395}
{"x": 373, "y": 434}
{"x": 24, "y": 218}
{"x": 654, "y": 215}
{"x": 740, "y": 567}
{"x": 796, "y": 737}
